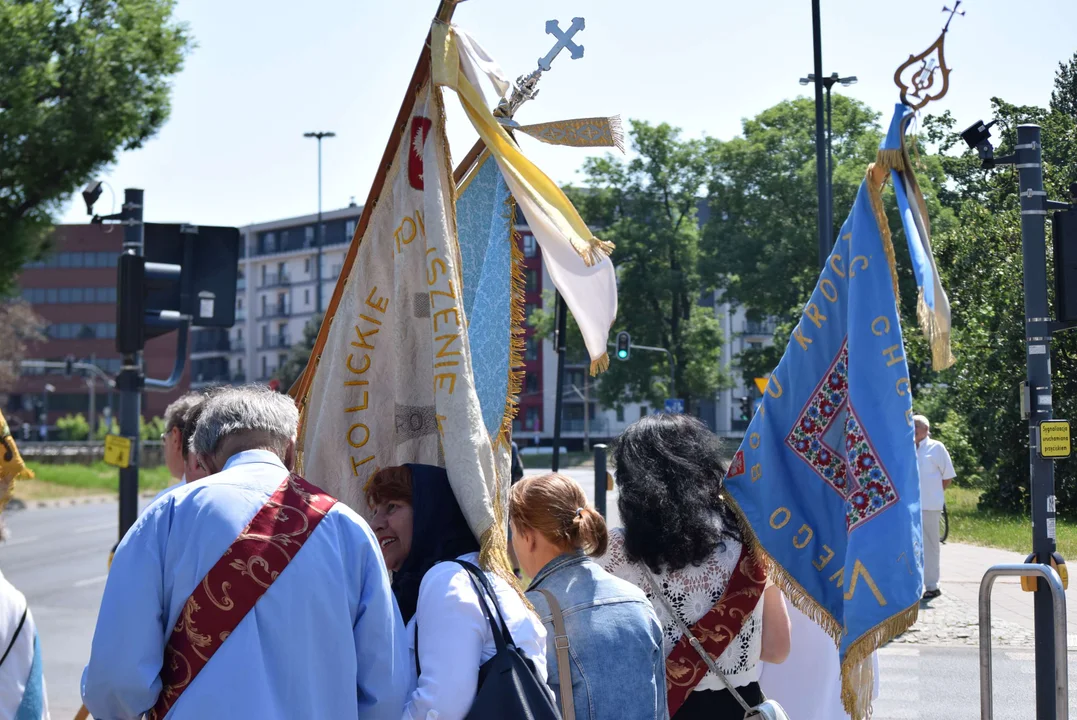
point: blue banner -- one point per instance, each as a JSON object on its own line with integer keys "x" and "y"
{"x": 827, "y": 475}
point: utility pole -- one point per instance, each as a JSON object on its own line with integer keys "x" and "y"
{"x": 559, "y": 339}
{"x": 1038, "y": 345}
{"x": 820, "y": 148}
{"x": 130, "y": 380}
{"x": 318, "y": 239}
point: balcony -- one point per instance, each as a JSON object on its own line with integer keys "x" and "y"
{"x": 276, "y": 343}
{"x": 275, "y": 311}
{"x": 239, "y": 378}
{"x": 241, "y": 315}
{"x": 762, "y": 328}
{"x": 277, "y": 280}
{"x": 239, "y": 346}
{"x": 203, "y": 344}
{"x": 241, "y": 284}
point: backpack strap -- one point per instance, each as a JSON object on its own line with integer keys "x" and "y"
{"x": 561, "y": 644}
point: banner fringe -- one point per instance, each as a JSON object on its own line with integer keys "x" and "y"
{"x": 517, "y": 292}
{"x": 600, "y": 365}
{"x": 618, "y": 132}
{"x": 874, "y": 185}
{"x": 941, "y": 354}
{"x": 857, "y": 676}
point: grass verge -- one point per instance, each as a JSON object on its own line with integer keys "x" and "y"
{"x": 969, "y": 524}
{"x": 72, "y": 480}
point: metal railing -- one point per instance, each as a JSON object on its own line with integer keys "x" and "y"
{"x": 277, "y": 280}
{"x": 1058, "y": 602}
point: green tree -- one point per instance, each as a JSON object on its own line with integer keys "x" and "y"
{"x": 647, "y": 206}
{"x": 760, "y": 241}
{"x": 81, "y": 81}
{"x": 299, "y": 355}
{"x": 73, "y": 427}
{"x": 980, "y": 258}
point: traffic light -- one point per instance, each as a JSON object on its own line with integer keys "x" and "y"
{"x": 1065, "y": 245}
{"x": 186, "y": 272}
{"x": 745, "y": 408}
{"x": 624, "y": 345}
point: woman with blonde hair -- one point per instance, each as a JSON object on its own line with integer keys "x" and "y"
{"x": 604, "y": 651}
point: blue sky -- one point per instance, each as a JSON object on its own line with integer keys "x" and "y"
{"x": 265, "y": 72}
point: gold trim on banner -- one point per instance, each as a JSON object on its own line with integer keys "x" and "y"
{"x": 579, "y": 132}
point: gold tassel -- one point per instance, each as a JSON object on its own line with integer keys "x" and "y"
{"x": 600, "y": 365}
{"x": 891, "y": 160}
{"x": 876, "y": 178}
{"x": 938, "y": 339}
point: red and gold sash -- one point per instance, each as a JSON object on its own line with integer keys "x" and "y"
{"x": 715, "y": 630}
{"x": 231, "y": 588}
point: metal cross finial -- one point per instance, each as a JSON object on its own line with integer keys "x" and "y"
{"x": 527, "y": 85}
{"x": 564, "y": 40}
{"x": 952, "y": 12}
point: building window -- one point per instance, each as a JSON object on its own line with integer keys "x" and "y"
{"x": 349, "y": 230}
{"x": 642, "y": 411}
{"x": 531, "y": 348}
{"x": 281, "y": 359}
{"x": 531, "y": 282}
{"x": 621, "y": 414}
{"x": 530, "y": 246}
{"x": 239, "y": 303}
{"x": 531, "y": 383}
{"x": 265, "y": 335}
{"x": 239, "y": 365}
{"x": 306, "y": 295}
{"x": 306, "y": 265}
{"x": 308, "y": 236}
{"x": 532, "y": 420}
{"x": 265, "y": 366}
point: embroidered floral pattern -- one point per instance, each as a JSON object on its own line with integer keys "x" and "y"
{"x": 854, "y": 473}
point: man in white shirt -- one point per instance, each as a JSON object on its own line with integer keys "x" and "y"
{"x": 936, "y": 474}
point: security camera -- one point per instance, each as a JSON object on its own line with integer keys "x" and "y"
{"x": 90, "y": 194}
{"x": 978, "y": 137}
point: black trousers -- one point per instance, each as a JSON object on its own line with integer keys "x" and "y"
{"x": 718, "y": 704}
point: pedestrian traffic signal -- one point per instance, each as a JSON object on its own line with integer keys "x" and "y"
{"x": 745, "y": 408}
{"x": 624, "y": 345}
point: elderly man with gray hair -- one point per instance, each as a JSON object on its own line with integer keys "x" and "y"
{"x": 250, "y": 593}
{"x": 936, "y": 474}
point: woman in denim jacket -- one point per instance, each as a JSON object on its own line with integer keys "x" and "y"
{"x": 615, "y": 641}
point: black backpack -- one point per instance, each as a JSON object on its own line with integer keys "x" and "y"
{"x": 509, "y": 687}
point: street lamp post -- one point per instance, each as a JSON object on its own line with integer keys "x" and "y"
{"x": 318, "y": 230}
{"x": 828, "y": 206}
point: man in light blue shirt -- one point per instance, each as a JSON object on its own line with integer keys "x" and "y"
{"x": 325, "y": 640}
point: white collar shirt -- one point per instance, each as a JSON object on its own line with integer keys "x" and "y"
{"x": 935, "y": 466}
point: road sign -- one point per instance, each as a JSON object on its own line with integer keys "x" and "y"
{"x": 1055, "y": 439}
{"x": 117, "y": 451}
{"x": 761, "y": 384}
{"x": 674, "y": 405}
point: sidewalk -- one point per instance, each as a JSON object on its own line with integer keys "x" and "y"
{"x": 953, "y": 618}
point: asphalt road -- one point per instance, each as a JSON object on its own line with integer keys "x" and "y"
{"x": 57, "y": 557}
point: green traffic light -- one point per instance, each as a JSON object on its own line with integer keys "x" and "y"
{"x": 622, "y": 354}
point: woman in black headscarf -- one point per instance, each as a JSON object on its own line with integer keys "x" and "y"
{"x": 419, "y": 524}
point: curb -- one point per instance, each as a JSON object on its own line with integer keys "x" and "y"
{"x": 16, "y": 504}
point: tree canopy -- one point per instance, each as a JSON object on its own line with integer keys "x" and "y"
{"x": 647, "y": 205}
{"x": 81, "y": 82}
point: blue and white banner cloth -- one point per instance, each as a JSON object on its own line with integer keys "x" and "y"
{"x": 932, "y": 305}
{"x": 22, "y": 682}
{"x": 827, "y": 475}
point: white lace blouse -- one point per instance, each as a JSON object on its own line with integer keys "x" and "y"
{"x": 692, "y": 591}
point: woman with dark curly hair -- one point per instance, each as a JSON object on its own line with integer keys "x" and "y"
{"x": 681, "y": 536}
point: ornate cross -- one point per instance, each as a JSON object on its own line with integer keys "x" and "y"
{"x": 564, "y": 40}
